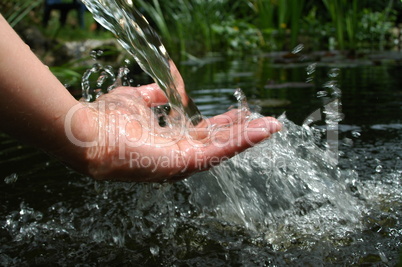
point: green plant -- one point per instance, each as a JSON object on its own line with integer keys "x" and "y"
{"x": 276, "y": 19}
{"x": 188, "y": 27}
{"x": 373, "y": 28}
{"x": 71, "y": 32}
{"x": 16, "y": 10}
{"x": 238, "y": 36}
{"x": 387, "y": 12}
{"x": 315, "y": 30}
{"x": 345, "y": 16}
{"x": 295, "y": 14}
{"x": 264, "y": 11}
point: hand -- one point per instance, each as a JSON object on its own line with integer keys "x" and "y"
{"x": 120, "y": 138}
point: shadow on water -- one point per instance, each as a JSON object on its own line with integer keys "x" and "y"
{"x": 279, "y": 203}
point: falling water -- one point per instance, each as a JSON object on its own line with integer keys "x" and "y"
{"x": 139, "y": 39}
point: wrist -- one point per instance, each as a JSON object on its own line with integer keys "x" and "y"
{"x": 79, "y": 134}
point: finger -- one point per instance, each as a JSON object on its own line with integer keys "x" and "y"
{"x": 230, "y": 141}
{"x": 226, "y": 143}
{"x": 229, "y": 117}
{"x": 152, "y": 94}
{"x": 204, "y": 127}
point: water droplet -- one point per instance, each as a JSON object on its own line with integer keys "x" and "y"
{"x": 330, "y": 84}
{"x": 383, "y": 256}
{"x": 162, "y": 49}
{"x": 96, "y": 67}
{"x": 38, "y": 216}
{"x": 93, "y": 54}
{"x": 311, "y": 68}
{"x": 156, "y": 186}
{"x": 347, "y": 142}
{"x": 333, "y": 73}
{"x": 322, "y": 93}
{"x": 356, "y": 134}
{"x": 101, "y": 79}
{"x": 378, "y": 169}
{"x": 12, "y": 178}
{"x": 297, "y": 49}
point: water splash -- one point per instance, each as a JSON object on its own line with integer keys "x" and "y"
{"x": 288, "y": 174}
{"x": 139, "y": 39}
{"x": 284, "y": 177}
{"x": 100, "y": 80}
{"x": 282, "y": 202}
{"x": 12, "y": 178}
{"x": 293, "y": 176}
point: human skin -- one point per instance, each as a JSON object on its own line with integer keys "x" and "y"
{"x": 117, "y": 136}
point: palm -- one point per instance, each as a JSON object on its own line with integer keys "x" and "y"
{"x": 133, "y": 147}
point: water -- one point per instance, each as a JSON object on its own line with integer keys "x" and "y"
{"x": 280, "y": 203}
{"x": 133, "y": 32}
{"x": 291, "y": 200}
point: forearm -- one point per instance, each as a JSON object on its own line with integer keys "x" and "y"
{"x": 33, "y": 103}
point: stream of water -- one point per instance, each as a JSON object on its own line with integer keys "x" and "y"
{"x": 134, "y": 33}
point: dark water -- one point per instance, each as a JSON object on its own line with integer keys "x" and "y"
{"x": 51, "y": 215}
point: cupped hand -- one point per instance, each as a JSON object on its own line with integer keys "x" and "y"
{"x": 122, "y": 140}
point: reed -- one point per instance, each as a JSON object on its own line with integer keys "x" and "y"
{"x": 334, "y": 8}
{"x": 352, "y": 24}
{"x": 264, "y": 11}
{"x": 187, "y": 26}
{"x": 277, "y": 19}
{"x": 296, "y": 13}
{"x": 345, "y": 16}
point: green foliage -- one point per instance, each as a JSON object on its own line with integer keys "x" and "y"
{"x": 276, "y": 18}
{"x": 373, "y": 26}
{"x": 316, "y": 31}
{"x": 344, "y": 15}
{"x": 197, "y": 27}
{"x": 14, "y": 11}
{"x": 71, "y": 31}
{"x": 187, "y": 26}
{"x": 67, "y": 74}
{"x": 210, "y": 25}
{"x": 356, "y": 24}
{"x": 238, "y": 35}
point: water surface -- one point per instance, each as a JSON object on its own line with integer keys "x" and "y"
{"x": 51, "y": 215}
